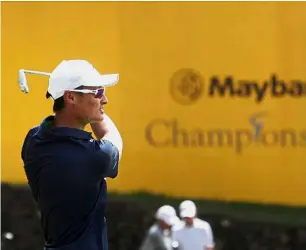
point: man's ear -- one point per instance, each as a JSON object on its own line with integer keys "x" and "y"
{"x": 69, "y": 97}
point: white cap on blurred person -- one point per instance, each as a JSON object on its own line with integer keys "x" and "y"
{"x": 71, "y": 74}
{"x": 167, "y": 214}
{"x": 188, "y": 209}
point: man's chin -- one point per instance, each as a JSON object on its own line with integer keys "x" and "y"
{"x": 97, "y": 119}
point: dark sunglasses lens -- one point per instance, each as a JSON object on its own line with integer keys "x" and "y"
{"x": 100, "y": 93}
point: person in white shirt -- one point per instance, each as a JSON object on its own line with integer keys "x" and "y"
{"x": 192, "y": 233}
{"x": 159, "y": 236}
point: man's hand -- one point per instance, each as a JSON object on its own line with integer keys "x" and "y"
{"x": 107, "y": 130}
{"x": 100, "y": 129}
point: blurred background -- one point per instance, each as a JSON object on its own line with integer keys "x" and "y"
{"x": 210, "y": 104}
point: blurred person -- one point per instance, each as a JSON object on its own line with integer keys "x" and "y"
{"x": 65, "y": 166}
{"x": 192, "y": 233}
{"x": 159, "y": 236}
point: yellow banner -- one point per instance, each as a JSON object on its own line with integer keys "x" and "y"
{"x": 211, "y": 100}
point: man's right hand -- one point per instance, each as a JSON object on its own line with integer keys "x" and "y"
{"x": 107, "y": 130}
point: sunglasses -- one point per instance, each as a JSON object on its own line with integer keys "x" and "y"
{"x": 97, "y": 92}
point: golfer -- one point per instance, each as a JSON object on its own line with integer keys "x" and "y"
{"x": 159, "y": 236}
{"x": 193, "y": 233}
{"x": 65, "y": 166}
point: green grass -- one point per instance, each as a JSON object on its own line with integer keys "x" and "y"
{"x": 252, "y": 212}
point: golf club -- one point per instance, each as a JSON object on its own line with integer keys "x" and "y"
{"x": 22, "y": 79}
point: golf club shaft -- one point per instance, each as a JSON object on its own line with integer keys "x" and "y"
{"x": 37, "y": 72}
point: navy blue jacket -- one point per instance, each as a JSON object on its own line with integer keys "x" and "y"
{"x": 66, "y": 170}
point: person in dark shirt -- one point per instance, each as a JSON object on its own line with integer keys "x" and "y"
{"x": 66, "y": 166}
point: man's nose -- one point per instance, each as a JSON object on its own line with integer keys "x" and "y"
{"x": 104, "y": 100}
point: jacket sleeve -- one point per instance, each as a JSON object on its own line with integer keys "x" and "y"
{"x": 26, "y": 142}
{"x": 105, "y": 160}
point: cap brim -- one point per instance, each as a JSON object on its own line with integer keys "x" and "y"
{"x": 108, "y": 80}
{"x": 187, "y": 214}
{"x": 171, "y": 221}
{"x": 174, "y": 220}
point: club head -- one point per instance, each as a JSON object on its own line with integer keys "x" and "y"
{"x": 22, "y": 80}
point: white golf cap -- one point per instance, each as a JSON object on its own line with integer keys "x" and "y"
{"x": 71, "y": 74}
{"x": 167, "y": 214}
{"x": 188, "y": 209}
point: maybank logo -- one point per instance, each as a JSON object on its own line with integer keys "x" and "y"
{"x": 170, "y": 132}
{"x": 187, "y": 86}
